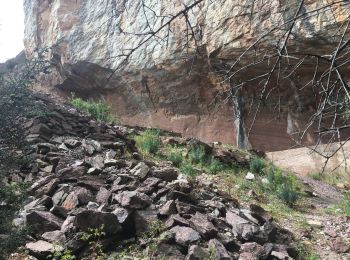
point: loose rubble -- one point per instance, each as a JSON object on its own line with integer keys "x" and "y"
{"x": 86, "y": 175}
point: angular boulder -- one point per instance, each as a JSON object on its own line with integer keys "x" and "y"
{"x": 176, "y": 220}
{"x": 42, "y": 249}
{"x": 84, "y": 195}
{"x": 71, "y": 201}
{"x": 56, "y": 237}
{"x": 88, "y": 219}
{"x": 42, "y": 222}
{"x": 203, "y": 226}
{"x": 140, "y": 170}
{"x": 220, "y": 252}
{"x": 168, "y": 208}
{"x": 251, "y": 251}
{"x": 196, "y": 252}
{"x": 133, "y": 199}
{"x": 103, "y": 196}
{"x": 185, "y": 235}
{"x": 166, "y": 174}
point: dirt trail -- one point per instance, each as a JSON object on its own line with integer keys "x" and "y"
{"x": 325, "y": 194}
{"x": 327, "y": 234}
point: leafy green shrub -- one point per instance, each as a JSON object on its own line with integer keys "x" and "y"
{"x": 176, "y": 158}
{"x": 276, "y": 178}
{"x": 149, "y": 142}
{"x": 256, "y": 165}
{"x": 94, "y": 236}
{"x": 16, "y": 237}
{"x": 305, "y": 251}
{"x": 155, "y": 228}
{"x": 197, "y": 154}
{"x": 215, "y": 166}
{"x": 62, "y": 255}
{"x": 188, "y": 169}
{"x": 100, "y": 110}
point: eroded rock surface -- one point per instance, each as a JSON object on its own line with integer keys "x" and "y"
{"x": 155, "y": 87}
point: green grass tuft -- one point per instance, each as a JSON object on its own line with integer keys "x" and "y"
{"x": 334, "y": 178}
{"x": 284, "y": 185}
{"x": 215, "y": 166}
{"x": 287, "y": 194}
{"x": 149, "y": 141}
{"x": 256, "y": 165}
{"x": 346, "y": 208}
{"x": 197, "y": 155}
{"x": 100, "y": 110}
{"x": 176, "y": 158}
{"x": 188, "y": 169}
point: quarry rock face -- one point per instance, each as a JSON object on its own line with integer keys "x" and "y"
{"x": 162, "y": 84}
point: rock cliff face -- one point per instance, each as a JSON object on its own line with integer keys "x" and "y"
{"x": 162, "y": 84}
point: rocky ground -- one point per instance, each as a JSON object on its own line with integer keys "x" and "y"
{"x": 94, "y": 197}
{"x": 327, "y": 234}
{"x": 317, "y": 222}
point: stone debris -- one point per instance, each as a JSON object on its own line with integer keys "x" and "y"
{"x": 93, "y": 183}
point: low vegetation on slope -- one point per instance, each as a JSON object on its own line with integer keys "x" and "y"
{"x": 86, "y": 169}
{"x": 16, "y": 105}
{"x": 340, "y": 180}
{"x": 82, "y": 166}
{"x": 77, "y": 166}
{"x": 198, "y": 157}
{"x": 247, "y": 177}
{"x": 95, "y": 196}
{"x": 98, "y": 109}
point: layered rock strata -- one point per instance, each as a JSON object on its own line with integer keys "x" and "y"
{"x": 162, "y": 84}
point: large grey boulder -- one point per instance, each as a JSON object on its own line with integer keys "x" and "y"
{"x": 167, "y": 174}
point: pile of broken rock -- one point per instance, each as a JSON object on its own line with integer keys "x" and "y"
{"x": 87, "y": 174}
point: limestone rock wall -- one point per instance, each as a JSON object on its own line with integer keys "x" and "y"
{"x": 162, "y": 84}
